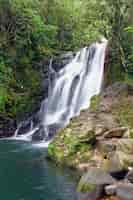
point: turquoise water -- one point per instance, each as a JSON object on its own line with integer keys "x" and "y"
{"x": 26, "y": 175}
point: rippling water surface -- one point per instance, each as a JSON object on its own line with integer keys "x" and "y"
{"x": 26, "y": 175}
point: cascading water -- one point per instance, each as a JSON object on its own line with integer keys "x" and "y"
{"x": 70, "y": 91}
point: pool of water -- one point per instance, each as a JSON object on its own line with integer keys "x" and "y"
{"x": 26, "y": 175}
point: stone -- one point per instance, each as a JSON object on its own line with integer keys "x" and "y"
{"x": 93, "y": 183}
{"x": 114, "y": 167}
{"x": 130, "y": 133}
{"x": 115, "y": 132}
{"x": 100, "y": 129}
{"x": 127, "y": 134}
{"x": 83, "y": 167}
{"x": 110, "y": 189}
{"x": 125, "y": 145}
{"x": 93, "y": 178}
{"x": 125, "y": 159}
{"x": 125, "y": 191}
{"x": 111, "y": 198}
{"x": 87, "y": 136}
{"x": 125, "y": 152}
{"x": 76, "y": 144}
{"x": 116, "y": 89}
{"x": 93, "y": 195}
{"x": 129, "y": 176}
{"x": 106, "y": 146}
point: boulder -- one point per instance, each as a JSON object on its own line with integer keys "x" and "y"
{"x": 129, "y": 133}
{"x": 93, "y": 183}
{"x": 129, "y": 176}
{"x": 91, "y": 195}
{"x": 125, "y": 145}
{"x": 125, "y": 191}
{"x": 125, "y": 159}
{"x": 100, "y": 129}
{"x": 115, "y": 132}
{"x": 113, "y": 166}
{"x": 110, "y": 189}
{"x": 124, "y": 151}
{"x": 95, "y": 194}
{"x": 106, "y": 147}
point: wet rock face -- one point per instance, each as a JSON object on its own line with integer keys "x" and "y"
{"x": 25, "y": 127}
{"x": 61, "y": 61}
{"x": 117, "y": 89}
{"x": 26, "y": 121}
{"x": 39, "y": 134}
{"x": 57, "y": 64}
{"x": 7, "y": 127}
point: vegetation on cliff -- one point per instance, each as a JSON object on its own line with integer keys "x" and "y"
{"x": 83, "y": 142}
{"x": 31, "y": 31}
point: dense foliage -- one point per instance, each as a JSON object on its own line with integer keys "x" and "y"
{"x": 32, "y": 30}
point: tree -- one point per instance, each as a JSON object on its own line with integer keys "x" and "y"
{"x": 118, "y": 18}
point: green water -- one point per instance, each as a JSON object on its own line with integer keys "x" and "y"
{"x": 26, "y": 175}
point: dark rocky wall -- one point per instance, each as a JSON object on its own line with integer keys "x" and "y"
{"x": 9, "y": 125}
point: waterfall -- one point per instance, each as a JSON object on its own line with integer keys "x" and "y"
{"x": 70, "y": 91}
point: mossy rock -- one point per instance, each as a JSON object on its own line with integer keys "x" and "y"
{"x": 130, "y": 135}
{"x": 112, "y": 164}
{"x": 126, "y": 160}
{"x": 72, "y": 148}
{"x": 93, "y": 178}
{"x": 121, "y": 159}
{"x": 84, "y": 187}
{"x": 125, "y": 145}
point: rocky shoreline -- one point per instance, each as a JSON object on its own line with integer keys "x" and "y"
{"x": 99, "y": 144}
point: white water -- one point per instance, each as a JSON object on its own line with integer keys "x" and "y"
{"x": 71, "y": 89}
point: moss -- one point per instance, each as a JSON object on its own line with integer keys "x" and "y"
{"x": 70, "y": 149}
{"x": 69, "y": 155}
{"x": 51, "y": 149}
{"x": 85, "y": 187}
{"x": 125, "y": 159}
{"x": 130, "y": 134}
{"x": 129, "y": 79}
{"x": 55, "y": 153}
{"x": 85, "y": 156}
{"x": 123, "y": 112}
{"x": 95, "y": 102}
